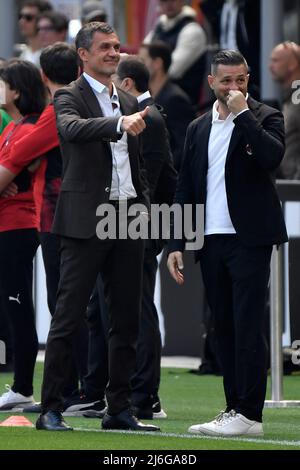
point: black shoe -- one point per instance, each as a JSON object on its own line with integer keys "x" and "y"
{"x": 125, "y": 420}
{"x": 36, "y": 408}
{"x": 93, "y": 414}
{"x": 78, "y": 404}
{"x": 52, "y": 421}
{"x": 149, "y": 410}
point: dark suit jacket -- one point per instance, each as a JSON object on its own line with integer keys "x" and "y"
{"x": 179, "y": 113}
{"x": 87, "y": 161}
{"x": 255, "y": 151}
{"x": 161, "y": 174}
{"x": 247, "y": 32}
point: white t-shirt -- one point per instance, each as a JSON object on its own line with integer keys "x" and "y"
{"x": 217, "y": 217}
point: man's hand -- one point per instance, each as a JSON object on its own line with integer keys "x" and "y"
{"x": 175, "y": 266}
{"x": 10, "y": 190}
{"x": 134, "y": 124}
{"x": 236, "y": 102}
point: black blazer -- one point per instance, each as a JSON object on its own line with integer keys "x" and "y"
{"x": 179, "y": 114}
{"x": 255, "y": 151}
{"x": 161, "y": 174}
{"x": 87, "y": 161}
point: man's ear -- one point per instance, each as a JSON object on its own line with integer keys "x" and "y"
{"x": 45, "y": 79}
{"x": 82, "y": 54}
{"x": 127, "y": 84}
{"x": 211, "y": 80}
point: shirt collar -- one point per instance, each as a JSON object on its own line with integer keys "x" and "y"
{"x": 144, "y": 96}
{"x": 215, "y": 112}
{"x": 99, "y": 88}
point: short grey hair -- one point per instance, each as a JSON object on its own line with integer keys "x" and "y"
{"x": 85, "y": 35}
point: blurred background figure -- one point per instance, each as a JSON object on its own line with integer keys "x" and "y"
{"x": 133, "y": 76}
{"x": 236, "y": 25}
{"x": 93, "y": 10}
{"x": 177, "y": 27}
{"x": 176, "y": 104}
{"x": 29, "y": 13}
{"x": 285, "y": 69}
{"x": 5, "y": 118}
{"x": 18, "y": 231}
{"x": 52, "y": 27}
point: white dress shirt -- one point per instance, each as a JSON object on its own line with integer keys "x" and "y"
{"x": 217, "y": 217}
{"x": 121, "y": 185}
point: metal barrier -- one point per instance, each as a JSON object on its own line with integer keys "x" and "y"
{"x": 288, "y": 190}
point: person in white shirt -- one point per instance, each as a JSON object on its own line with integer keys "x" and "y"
{"x": 98, "y": 126}
{"x": 178, "y": 27}
{"x": 28, "y": 16}
{"x": 230, "y": 157}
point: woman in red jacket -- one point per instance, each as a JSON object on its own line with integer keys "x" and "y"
{"x": 18, "y": 232}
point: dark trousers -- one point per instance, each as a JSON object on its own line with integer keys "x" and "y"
{"x": 50, "y": 244}
{"x": 17, "y": 250}
{"x": 6, "y": 337}
{"x": 96, "y": 380}
{"x": 236, "y": 280}
{"x": 120, "y": 264}
{"x": 146, "y": 379}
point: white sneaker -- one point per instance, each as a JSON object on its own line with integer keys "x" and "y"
{"x": 11, "y": 399}
{"x": 229, "y": 424}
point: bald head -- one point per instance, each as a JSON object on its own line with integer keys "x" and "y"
{"x": 285, "y": 63}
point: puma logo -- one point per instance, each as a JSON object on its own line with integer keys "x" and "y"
{"x": 16, "y": 299}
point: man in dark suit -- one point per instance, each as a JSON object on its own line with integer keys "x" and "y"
{"x": 230, "y": 156}
{"x": 236, "y": 25}
{"x": 175, "y": 102}
{"x": 132, "y": 76}
{"x": 98, "y": 127}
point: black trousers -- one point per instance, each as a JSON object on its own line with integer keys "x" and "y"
{"x": 96, "y": 380}
{"x": 146, "y": 379}
{"x": 236, "y": 280}
{"x": 120, "y": 264}
{"x": 50, "y": 244}
{"x": 17, "y": 250}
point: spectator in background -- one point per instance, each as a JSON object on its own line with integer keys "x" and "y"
{"x": 236, "y": 25}
{"x": 176, "y": 104}
{"x": 52, "y": 27}
{"x": 178, "y": 28}
{"x": 18, "y": 232}
{"x": 5, "y": 118}
{"x": 29, "y": 13}
{"x": 132, "y": 76}
{"x": 285, "y": 69}
{"x": 59, "y": 65}
{"x": 93, "y": 10}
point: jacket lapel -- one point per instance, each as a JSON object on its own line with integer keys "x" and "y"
{"x": 203, "y": 140}
{"x": 89, "y": 98}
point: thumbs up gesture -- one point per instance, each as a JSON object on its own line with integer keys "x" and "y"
{"x": 134, "y": 124}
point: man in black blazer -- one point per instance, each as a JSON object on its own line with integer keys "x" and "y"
{"x": 230, "y": 156}
{"x": 98, "y": 127}
{"x": 132, "y": 76}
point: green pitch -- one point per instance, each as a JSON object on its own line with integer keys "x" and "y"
{"x": 187, "y": 399}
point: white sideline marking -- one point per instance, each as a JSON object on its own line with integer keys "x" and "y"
{"x": 194, "y": 436}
